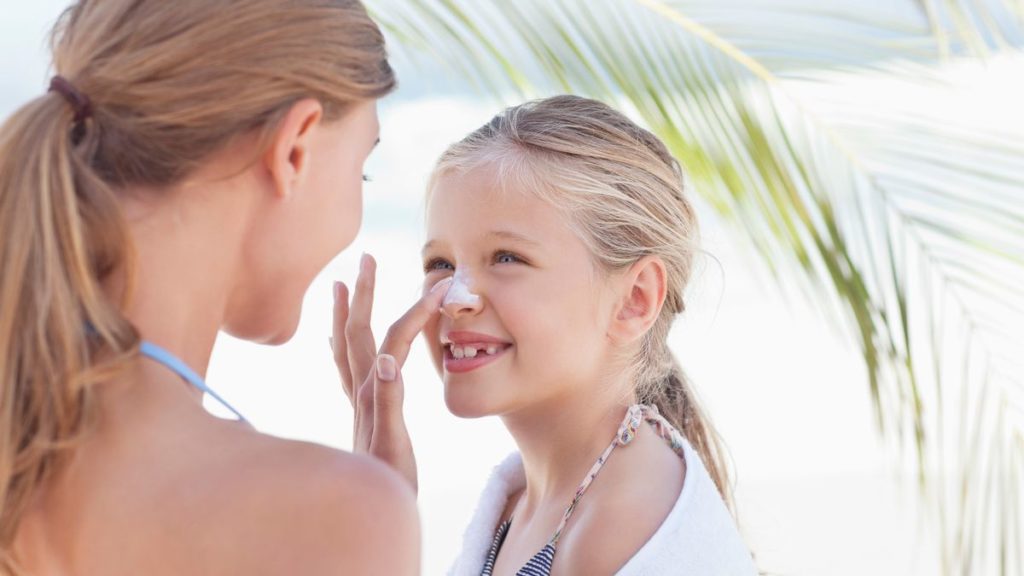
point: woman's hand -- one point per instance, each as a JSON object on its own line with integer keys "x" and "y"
{"x": 372, "y": 378}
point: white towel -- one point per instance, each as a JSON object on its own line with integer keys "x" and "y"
{"x": 506, "y": 479}
{"x": 698, "y": 538}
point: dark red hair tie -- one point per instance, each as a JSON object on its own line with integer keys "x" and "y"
{"x": 79, "y": 102}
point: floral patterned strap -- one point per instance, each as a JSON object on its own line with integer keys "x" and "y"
{"x": 664, "y": 429}
{"x": 626, "y": 433}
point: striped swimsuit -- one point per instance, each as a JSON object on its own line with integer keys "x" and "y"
{"x": 540, "y": 564}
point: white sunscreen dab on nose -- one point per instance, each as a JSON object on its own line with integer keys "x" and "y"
{"x": 458, "y": 291}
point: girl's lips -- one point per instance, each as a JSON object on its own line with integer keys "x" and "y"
{"x": 467, "y": 337}
{"x": 460, "y": 365}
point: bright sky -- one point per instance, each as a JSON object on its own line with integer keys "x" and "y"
{"x": 816, "y": 492}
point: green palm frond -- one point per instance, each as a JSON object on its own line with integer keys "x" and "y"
{"x": 902, "y": 223}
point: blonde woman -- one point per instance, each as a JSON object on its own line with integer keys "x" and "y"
{"x": 568, "y": 239}
{"x": 193, "y": 166}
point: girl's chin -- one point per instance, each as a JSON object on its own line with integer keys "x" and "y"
{"x": 467, "y": 405}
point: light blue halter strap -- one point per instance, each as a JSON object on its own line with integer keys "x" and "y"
{"x": 175, "y": 364}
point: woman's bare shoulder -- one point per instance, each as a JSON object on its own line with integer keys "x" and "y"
{"x": 288, "y": 507}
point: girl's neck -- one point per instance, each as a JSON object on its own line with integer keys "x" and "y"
{"x": 560, "y": 440}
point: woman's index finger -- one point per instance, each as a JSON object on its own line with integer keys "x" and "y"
{"x": 400, "y": 336}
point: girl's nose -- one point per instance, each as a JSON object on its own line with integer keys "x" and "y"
{"x": 455, "y": 310}
{"x": 460, "y": 299}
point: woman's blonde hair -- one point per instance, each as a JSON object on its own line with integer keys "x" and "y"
{"x": 623, "y": 194}
{"x": 169, "y": 83}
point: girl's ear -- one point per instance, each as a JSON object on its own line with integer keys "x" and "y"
{"x": 287, "y": 157}
{"x": 642, "y": 295}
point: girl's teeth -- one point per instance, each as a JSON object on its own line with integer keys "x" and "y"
{"x": 472, "y": 352}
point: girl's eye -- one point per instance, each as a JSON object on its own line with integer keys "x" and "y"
{"x": 506, "y": 258}
{"x": 436, "y": 264}
{"x": 367, "y": 178}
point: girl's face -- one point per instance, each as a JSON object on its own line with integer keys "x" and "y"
{"x": 537, "y": 331}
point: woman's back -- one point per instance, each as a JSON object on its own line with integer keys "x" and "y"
{"x": 161, "y": 487}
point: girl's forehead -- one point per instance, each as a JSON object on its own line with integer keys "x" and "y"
{"x": 480, "y": 193}
{"x": 474, "y": 209}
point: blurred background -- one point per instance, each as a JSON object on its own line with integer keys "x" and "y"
{"x": 856, "y": 325}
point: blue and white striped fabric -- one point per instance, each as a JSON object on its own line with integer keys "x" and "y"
{"x": 539, "y": 565}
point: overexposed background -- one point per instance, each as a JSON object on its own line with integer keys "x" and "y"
{"x": 817, "y": 491}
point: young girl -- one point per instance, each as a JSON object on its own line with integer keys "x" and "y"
{"x": 193, "y": 166}
{"x": 570, "y": 241}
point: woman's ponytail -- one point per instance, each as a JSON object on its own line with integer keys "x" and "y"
{"x": 61, "y": 237}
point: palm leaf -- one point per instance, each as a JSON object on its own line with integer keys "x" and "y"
{"x": 904, "y": 225}
{"x": 974, "y": 26}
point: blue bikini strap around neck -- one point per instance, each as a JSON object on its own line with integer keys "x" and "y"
{"x": 175, "y": 364}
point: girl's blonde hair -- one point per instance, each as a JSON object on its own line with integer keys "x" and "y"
{"x": 169, "y": 83}
{"x": 623, "y": 194}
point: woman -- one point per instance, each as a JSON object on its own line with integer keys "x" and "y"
{"x": 193, "y": 166}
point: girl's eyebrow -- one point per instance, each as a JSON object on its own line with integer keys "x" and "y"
{"x": 503, "y": 234}
{"x": 514, "y": 236}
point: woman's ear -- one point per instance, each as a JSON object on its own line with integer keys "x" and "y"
{"x": 642, "y": 294}
{"x": 287, "y": 157}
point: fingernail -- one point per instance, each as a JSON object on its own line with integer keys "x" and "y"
{"x": 364, "y": 261}
{"x": 337, "y": 290}
{"x": 441, "y": 284}
{"x": 386, "y": 367}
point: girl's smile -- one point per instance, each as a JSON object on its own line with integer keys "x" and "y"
{"x": 466, "y": 351}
